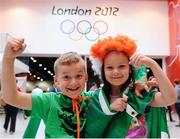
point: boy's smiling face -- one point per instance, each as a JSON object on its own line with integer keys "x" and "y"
{"x": 71, "y": 79}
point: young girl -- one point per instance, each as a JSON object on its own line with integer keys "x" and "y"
{"x": 115, "y": 110}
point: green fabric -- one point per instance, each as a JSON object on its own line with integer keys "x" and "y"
{"x": 27, "y": 112}
{"x": 56, "y": 111}
{"x": 156, "y": 122}
{"x": 140, "y": 74}
{"x": 120, "y": 123}
{"x": 96, "y": 121}
{"x": 32, "y": 127}
{"x": 98, "y": 124}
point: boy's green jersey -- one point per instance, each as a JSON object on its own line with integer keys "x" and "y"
{"x": 57, "y": 114}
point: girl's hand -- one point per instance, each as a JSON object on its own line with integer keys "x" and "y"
{"x": 152, "y": 82}
{"x": 119, "y": 104}
{"x": 139, "y": 87}
{"x": 14, "y": 47}
{"x": 141, "y": 60}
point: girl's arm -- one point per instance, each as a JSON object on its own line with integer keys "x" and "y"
{"x": 167, "y": 94}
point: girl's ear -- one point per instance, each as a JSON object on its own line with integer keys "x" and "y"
{"x": 130, "y": 69}
{"x": 86, "y": 77}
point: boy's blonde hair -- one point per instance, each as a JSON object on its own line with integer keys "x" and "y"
{"x": 68, "y": 59}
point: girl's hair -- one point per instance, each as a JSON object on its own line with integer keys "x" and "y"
{"x": 67, "y": 59}
{"x": 120, "y": 43}
{"x": 107, "y": 86}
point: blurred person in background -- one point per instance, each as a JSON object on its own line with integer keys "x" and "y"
{"x": 10, "y": 116}
{"x": 177, "y": 104}
{"x": 53, "y": 89}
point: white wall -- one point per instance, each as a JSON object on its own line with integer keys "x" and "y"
{"x": 145, "y": 21}
{"x": 19, "y": 67}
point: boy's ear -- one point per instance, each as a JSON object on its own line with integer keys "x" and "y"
{"x": 55, "y": 80}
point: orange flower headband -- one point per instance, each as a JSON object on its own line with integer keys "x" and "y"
{"x": 119, "y": 43}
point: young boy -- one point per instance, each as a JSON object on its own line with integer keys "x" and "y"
{"x": 63, "y": 113}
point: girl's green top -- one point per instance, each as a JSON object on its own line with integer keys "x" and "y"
{"x": 102, "y": 122}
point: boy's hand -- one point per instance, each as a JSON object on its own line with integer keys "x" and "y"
{"x": 14, "y": 47}
{"x": 119, "y": 104}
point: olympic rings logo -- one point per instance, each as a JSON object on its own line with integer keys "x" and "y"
{"x": 76, "y": 31}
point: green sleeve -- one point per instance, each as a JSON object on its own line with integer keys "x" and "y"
{"x": 41, "y": 104}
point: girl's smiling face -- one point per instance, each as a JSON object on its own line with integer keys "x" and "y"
{"x": 116, "y": 68}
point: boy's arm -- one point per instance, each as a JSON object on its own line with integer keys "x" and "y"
{"x": 9, "y": 91}
{"x": 167, "y": 94}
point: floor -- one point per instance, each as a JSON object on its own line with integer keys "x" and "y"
{"x": 22, "y": 123}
